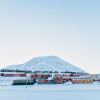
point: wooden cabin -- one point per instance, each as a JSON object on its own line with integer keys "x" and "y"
{"x": 82, "y": 81}
{"x": 40, "y": 76}
{"x": 43, "y": 81}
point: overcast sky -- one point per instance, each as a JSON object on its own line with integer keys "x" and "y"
{"x": 69, "y": 29}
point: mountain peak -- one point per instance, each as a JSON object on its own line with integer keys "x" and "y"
{"x": 47, "y": 63}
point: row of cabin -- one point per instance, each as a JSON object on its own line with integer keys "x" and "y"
{"x": 61, "y": 78}
{"x": 52, "y": 81}
{"x": 10, "y": 70}
{"x": 12, "y": 74}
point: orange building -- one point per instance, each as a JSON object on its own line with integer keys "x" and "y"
{"x": 82, "y": 81}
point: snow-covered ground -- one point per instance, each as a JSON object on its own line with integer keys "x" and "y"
{"x": 51, "y": 92}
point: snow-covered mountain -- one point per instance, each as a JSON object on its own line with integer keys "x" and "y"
{"x": 45, "y": 63}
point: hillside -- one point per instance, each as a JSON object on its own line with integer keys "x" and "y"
{"x": 46, "y": 63}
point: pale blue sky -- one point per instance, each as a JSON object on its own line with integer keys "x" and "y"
{"x": 66, "y": 28}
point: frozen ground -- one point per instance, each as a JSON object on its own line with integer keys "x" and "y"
{"x": 51, "y": 92}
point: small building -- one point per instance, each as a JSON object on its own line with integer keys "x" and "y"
{"x": 40, "y": 76}
{"x": 43, "y": 81}
{"x": 96, "y": 77}
{"x": 82, "y": 80}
